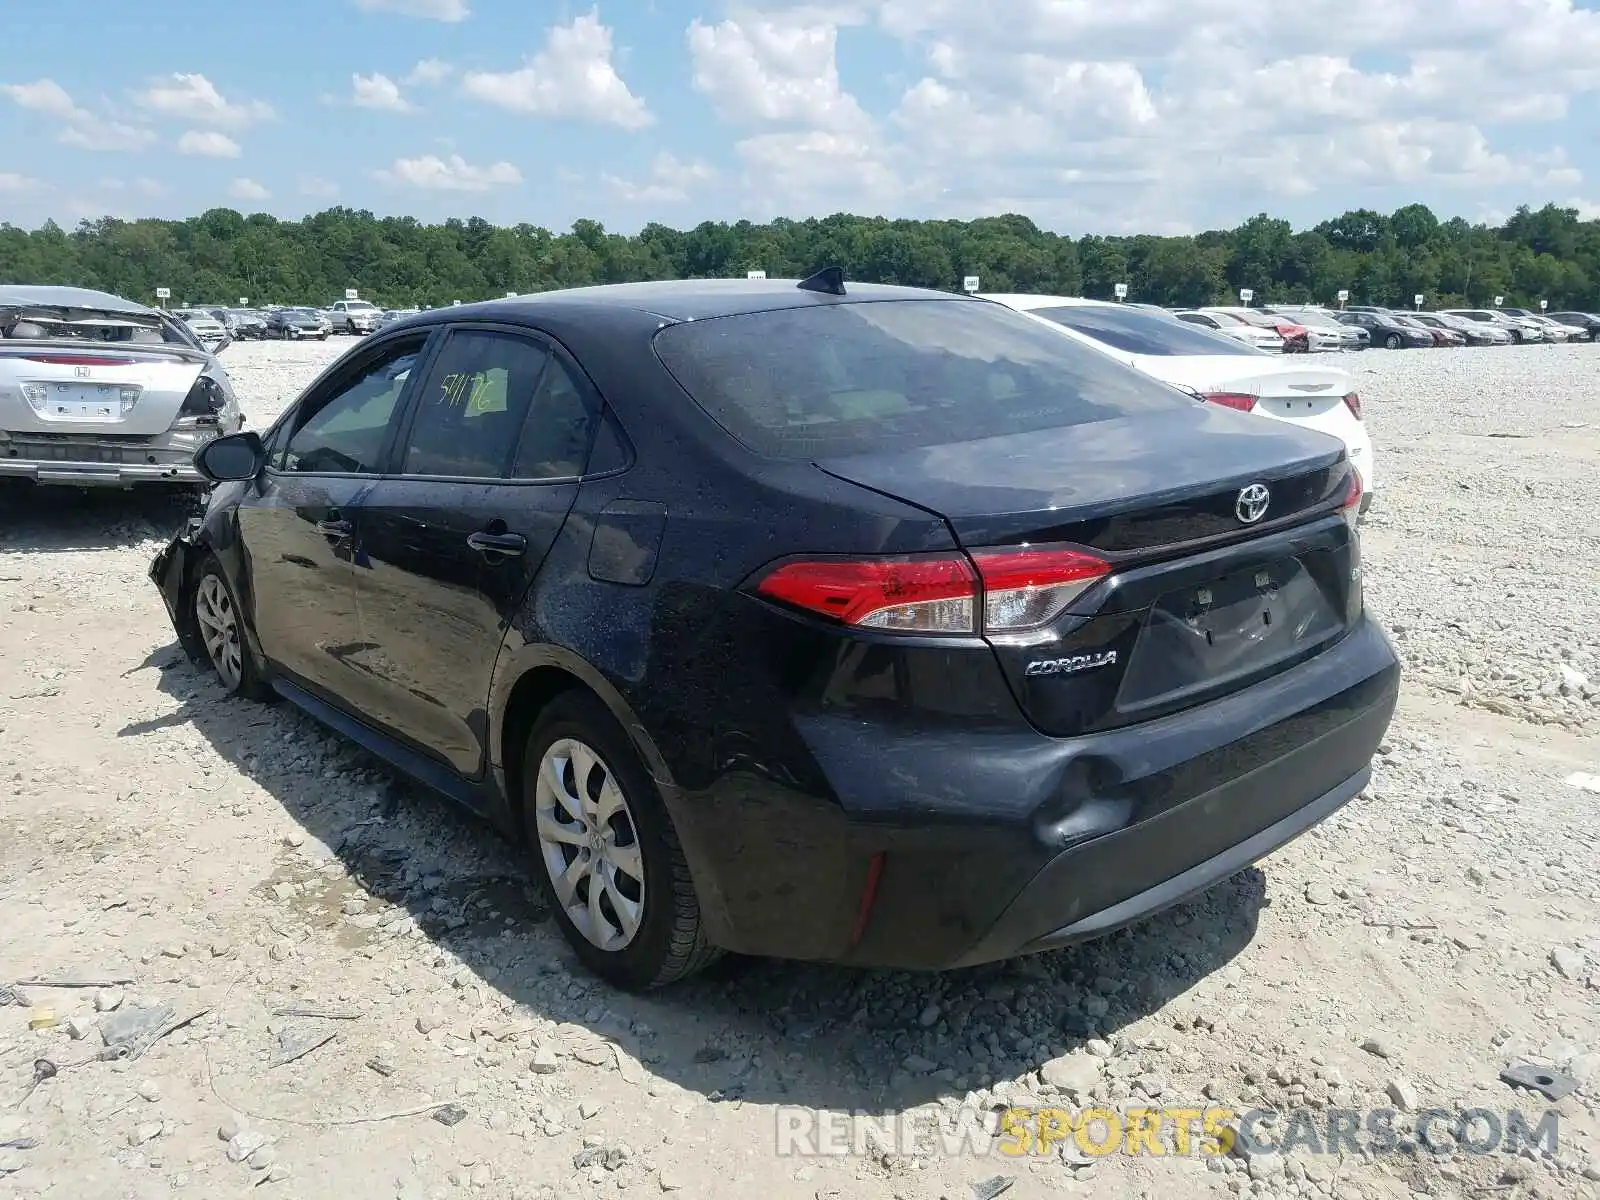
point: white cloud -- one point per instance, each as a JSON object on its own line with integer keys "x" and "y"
{"x": 453, "y": 174}
{"x": 571, "y": 76}
{"x": 193, "y": 97}
{"x": 432, "y": 10}
{"x": 149, "y": 189}
{"x": 247, "y": 189}
{"x": 430, "y": 72}
{"x": 782, "y": 68}
{"x": 109, "y": 136}
{"x": 10, "y": 181}
{"x": 83, "y": 129}
{"x": 208, "y": 143}
{"x": 1159, "y": 112}
{"x": 45, "y": 96}
{"x": 320, "y": 189}
{"x": 670, "y": 181}
{"x": 379, "y": 92}
{"x": 819, "y": 169}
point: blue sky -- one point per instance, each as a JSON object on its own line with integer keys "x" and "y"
{"x": 1103, "y": 116}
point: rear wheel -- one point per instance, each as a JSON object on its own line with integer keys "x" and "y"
{"x": 1392, "y": 341}
{"x": 221, "y": 629}
{"x": 608, "y": 858}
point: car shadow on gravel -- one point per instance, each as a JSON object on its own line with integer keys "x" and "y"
{"x": 60, "y": 520}
{"x": 746, "y": 1030}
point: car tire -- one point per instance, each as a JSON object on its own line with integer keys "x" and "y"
{"x": 1393, "y": 341}
{"x": 588, "y": 799}
{"x": 219, "y": 622}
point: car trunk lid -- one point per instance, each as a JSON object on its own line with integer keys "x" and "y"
{"x": 1128, "y": 484}
{"x": 90, "y": 389}
{"x": 1203, "y": 592}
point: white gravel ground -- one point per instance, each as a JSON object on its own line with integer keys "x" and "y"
{"x": 233, "y": 858}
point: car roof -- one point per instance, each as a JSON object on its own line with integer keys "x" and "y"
{"x": 1030, "y": 300}
{"x": 680, "y": 299}
{"x": 22, "y": 295}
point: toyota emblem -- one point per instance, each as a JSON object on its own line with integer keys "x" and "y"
{"x": 1252, "y": 503}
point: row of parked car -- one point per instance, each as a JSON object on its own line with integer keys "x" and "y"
{"x": 1303, "y": 329}
{"x": 289, "y": 323}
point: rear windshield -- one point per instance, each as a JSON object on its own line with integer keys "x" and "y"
{"x": 1137, "y": 332}
{"x": 853, "y": 378}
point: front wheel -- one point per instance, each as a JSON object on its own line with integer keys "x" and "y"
{"x": 608, "y": 858}
{"x": 1392, "y": 341}
{"x": 221, "y": 629}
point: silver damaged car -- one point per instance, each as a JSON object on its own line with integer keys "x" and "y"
{"x": 100, "y": 391}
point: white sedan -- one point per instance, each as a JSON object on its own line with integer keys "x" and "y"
{"x": 1219, "y": 369}
{"x": 1233, "y": 326}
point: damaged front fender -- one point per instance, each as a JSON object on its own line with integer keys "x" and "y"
{"x": 172, "y": 572}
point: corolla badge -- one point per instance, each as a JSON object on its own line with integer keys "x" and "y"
{"x": 1252, "y": 503}
{"x": 1071, "y": 665}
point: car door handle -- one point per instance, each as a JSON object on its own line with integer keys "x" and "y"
{"x": 334, "y": 529}
{"x": 497, "y": 543}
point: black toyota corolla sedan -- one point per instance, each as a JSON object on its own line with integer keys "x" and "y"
{"x": 816, "y": 620}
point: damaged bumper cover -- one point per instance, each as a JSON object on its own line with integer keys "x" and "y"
{"x": 171, "y": 571}
{"x": 86, "y": 460}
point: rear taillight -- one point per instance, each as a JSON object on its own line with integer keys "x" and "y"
{"x": 1013, "y": 588}
{"x": 1350, "y": 506}
{"x": 1353, "y": 403}
{"x": 1028, "y": 586}
{"x": 205, "y": 399}
{"x": 934, "y": 593}
{"x": 1239, "y": 400}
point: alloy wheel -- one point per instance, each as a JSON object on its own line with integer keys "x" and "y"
{"x": 589, "y": 844}
{"x": 219, "y": 629}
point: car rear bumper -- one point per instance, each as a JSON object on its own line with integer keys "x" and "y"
{"x": 92, "y": 460}
{"x": 952, "y": 847}
{"x": 94, "y": 474}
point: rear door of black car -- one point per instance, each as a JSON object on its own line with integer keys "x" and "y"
{"x": 480, "y": 484}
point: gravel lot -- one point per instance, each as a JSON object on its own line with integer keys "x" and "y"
{"x": 231, "y": 858}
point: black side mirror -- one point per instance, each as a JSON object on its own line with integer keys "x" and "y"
{"x": 238, "y": 456}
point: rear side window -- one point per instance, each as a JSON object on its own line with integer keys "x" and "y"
{"x": 560, "y": 425}
{"x": 852, "y": 378}
{"x": 473, "y": 405}
{"x": 1136, "y": 332}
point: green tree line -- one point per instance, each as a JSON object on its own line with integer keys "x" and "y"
{"x": 214, "y": 258}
